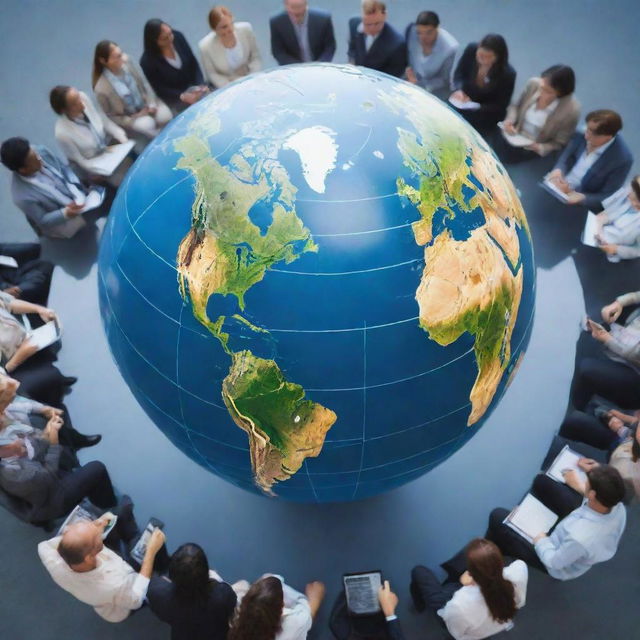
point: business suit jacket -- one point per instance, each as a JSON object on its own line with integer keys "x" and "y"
{"x": 113, "y": 105}
{"x": 169, "y": 82}
{"x": 606, "y": 175}
{"x": 214, "y": 58}
{"x": 388, "y": 53}
{"x": 35, "y": 481}
{"x": 560, "y": 125}
{"x": 284, "y": 43}
{"x": 493, "y": 97}
{"x": 45, "y": 214}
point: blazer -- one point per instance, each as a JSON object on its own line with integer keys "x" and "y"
{"x": 560, "y": 125}
{"x": 388, "y": 53}
{"x": 113, "y": 105}
{"x": 78, "y": 143}
{"x": 606, "y": 175}
{"x": 493, "y": 98}
{"x": 43, "y": 212}
{"x": 284, "y": 42}
{"x": 169, "y": 82}
{"x": 214, "y": 58}
{"x": 35, "y": 481}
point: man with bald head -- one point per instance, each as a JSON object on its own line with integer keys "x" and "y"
{"x": 79, "y": 563}
{"x": 300, "y": 34}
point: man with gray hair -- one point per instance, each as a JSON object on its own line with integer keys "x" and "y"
{"x": 300, "y": 34}
{"x": 374, "y": 43}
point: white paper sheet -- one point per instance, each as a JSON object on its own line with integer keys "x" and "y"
{"x": 45, "y": 335}
{"x": 590, "y": 230}
{"x": 8, "y": 261}
{"x": 566, "y": 459}
{"x": 93, "y": 200}
{"x": 470, "y": 105}
{"x": 110, "y": 160}
{"x": 515, "y": 139}
{"x": 553, "y": 190}
{"x": 530, "y": 518}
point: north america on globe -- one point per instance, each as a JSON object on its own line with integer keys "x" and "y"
{"x": 317, "y": 282}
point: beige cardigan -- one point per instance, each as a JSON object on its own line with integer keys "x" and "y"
{"x": 214, "y": 58}
{"x": 560, "y": 125}
{"x": 113, "y": 105}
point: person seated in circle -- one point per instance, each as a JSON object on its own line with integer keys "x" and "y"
{"x": 431, "y": 51}
{"x": 230, "y": 51}
{"x": 546, "y": 112}
{"x": 30, "y": 280}
{"x": 124, "y": 95}
{"x": 44, "y": 188}
{"x": 595, "y": 164}
{"x": 84, "y": 135}
{"x": 280, "y": 612}
{"x": 589, "y": 531}
{"x": 618, "y": 234}
{"x": 615, "y": 377}
{"x": 483, "y": 83}
{"x": 195, "y": 601}
{"x": 170, "y": 66}
{"x": 477, "y": 602}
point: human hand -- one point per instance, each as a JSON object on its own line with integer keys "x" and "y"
{"x": 539, "y": 537}
{"x": 554, "y": 175}
{"x": 14, "y": 291}
{"x": 570, "y": 477}
{"x": 507, "y": 126}
{"x": 388, "y": 600}
{"x": 598, "y": 332}
{"x": 51, "y": 412}
{"x": 612, "y": 311}
{"x": 609, "y": 249}
{"x": 460, "y": 95}
{"x": 72, "y": 210}
{"x": 47, "y": 315}
{"x": 535, "y": 147}
{"x": 573, "y": 197}
{"x": 24, "y": 351}
{"x": 156, "y": 541}
{"x": 315, "y": 590}
{"x": 466, "y": 579}
{"x": 615, "y": 424}
{"x": 411, "y": 76}
{"x": 586, "y": 464}
{"x": 152, "y": 110}
{"x": 51, "y": 431}
{"x": 189, "y": 97}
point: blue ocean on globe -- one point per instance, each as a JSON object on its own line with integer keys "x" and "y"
{"x": 317, "y": 282}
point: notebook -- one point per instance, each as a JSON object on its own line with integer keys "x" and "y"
{"x": 515, "y": 139}
{"x": 566, "y": 459}
{"x": 45, "y": 335}
{"x": 361, "y": 590}
{"x": 530, "y": 518}
{"x": 553, "y": 190}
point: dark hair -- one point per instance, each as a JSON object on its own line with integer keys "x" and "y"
{"x": 152, "y": 30}
{"x": 73, "y": 554}
{"x": 102, "y": 52}
{"x": 561, "y": 78}
{"x": 485, "y": 564}
{"x": 14, "y": 152}
{"x": 608, "y": 485}
{"x": 428, "y": 19}
{"x": 216, "y": 14}
{"x": 635, "y": 185}
{"x": 608, "y": 122}
{"x": 496, "y": 43}
{"x": 189, "y": 572}
{"x": 260, "y": 612}
{"x": 58, "y": 98}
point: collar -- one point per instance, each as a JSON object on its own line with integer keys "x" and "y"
{"x": 600, "y": 150}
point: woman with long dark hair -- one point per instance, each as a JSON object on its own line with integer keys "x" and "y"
{"x": 485, "y": 598}
{"x": 272, "y": 610}
{"x": 483, "y": 83}
{"x": 193, "y": 600}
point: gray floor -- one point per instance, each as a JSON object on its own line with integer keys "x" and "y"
{"x": 46, "y": 43}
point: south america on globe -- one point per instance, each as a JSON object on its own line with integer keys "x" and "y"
{"x": 317, "y": 282}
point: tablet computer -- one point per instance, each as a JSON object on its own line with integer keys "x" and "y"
{"x": 361, "y": 590}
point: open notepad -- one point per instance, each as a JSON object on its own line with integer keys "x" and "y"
{"x": 530, "y": 518}
{"x": 112, "y": 158}
{"x": 566, "y": 459}
{"x": 469, "y": 105}
{"x": 553, "y": 190}
{"x": 515, "y": 139}
{"x": 93, "y": 200}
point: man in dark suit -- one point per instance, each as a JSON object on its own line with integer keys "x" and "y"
{"x": 30, "y": 279}
{"x": 375, "y": 44}
{"x": 593, "y": 165}
{"x": 300, "y": 34}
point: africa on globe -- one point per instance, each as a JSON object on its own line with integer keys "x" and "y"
{"x": 317, "y": 282}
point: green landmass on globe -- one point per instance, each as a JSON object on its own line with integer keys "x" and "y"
{"x": 414, "y": 258}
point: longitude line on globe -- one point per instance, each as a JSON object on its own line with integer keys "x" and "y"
{"x": 364, "y": 407}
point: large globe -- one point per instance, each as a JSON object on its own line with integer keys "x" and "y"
{"x": 317, "y": 282}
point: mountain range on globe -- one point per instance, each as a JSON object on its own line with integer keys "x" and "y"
{"x": 317, "y": 282}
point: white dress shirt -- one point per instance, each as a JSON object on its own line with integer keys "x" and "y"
{"x": 467, "y": 616}
{"x": 113, "y": 588}
{"x": 535, "y": 119}
{"x": 584, "y": 163}
{"x": 582, "y": 539}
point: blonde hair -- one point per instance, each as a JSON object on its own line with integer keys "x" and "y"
{"x": 373, "y": 6}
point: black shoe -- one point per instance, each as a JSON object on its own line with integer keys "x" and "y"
{"x": 82, "y": 442}
{"x": 69, "y": 381}
{"x": 416, "y": 596}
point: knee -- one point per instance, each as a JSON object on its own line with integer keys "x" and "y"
{"x": 418, "y": 572}
{"x": 97, "y": 467}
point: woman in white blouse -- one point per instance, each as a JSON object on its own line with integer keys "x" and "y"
{"x": 230, "y": 51}
{"x": 546, "y": 114}
{"x": 485, "y": 599}
{"x": 84, "y": 135}
{"x": 280, "y": 612}
{"x": 618, "y": 226}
